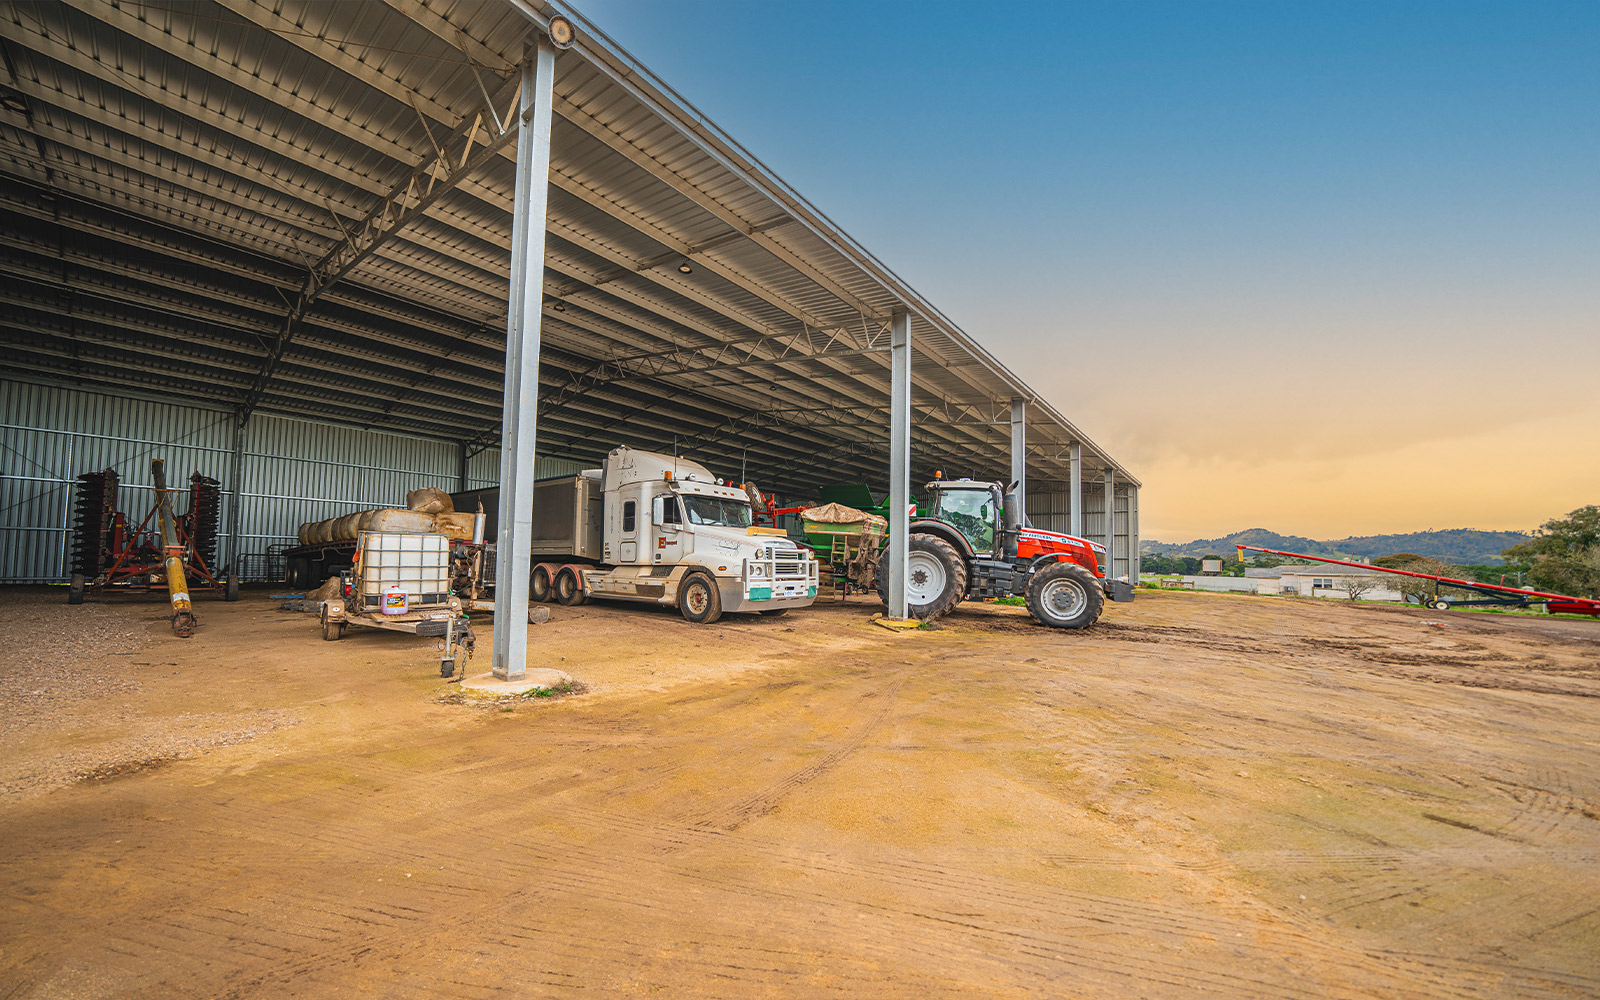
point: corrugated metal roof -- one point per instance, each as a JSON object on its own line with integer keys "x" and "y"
{"x": 174, "y": 172}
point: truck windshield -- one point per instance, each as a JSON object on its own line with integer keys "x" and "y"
{"x": 710, "y": 510}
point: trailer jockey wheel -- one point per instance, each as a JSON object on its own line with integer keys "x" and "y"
{"x": 332, "y": 631}
{"x": 1441, "y": 605}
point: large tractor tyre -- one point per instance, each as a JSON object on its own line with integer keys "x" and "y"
{"x": 539, "y": 585}
{"x": 230, "y": 590}
{"x": 568, "y": 592}
{"x": 1065, "y": 595}
{"x": 936, "y": 578}
{"x": 76, "y": 590}
{"x": 698, "y": 599}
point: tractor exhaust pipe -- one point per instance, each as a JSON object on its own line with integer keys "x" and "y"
{"x": 1013, "y": 528}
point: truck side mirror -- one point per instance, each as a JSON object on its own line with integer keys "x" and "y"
{"x": 657, "y": 510}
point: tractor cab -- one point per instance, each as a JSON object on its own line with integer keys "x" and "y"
{"x": 973, "y": 508}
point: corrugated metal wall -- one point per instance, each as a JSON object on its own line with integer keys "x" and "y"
{"x": 293, "y": 470}
{"x": 1052, "y": 510}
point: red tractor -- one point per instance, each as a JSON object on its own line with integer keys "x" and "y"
{"x": 973, "y": 545}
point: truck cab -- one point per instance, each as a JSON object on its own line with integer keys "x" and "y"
{"x": 670, "y": 533}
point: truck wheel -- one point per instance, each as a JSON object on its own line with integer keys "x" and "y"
{"x": 230, "y": 590}
{"x": 936, "y": 578}
{"x": 539, "y": 585}
{"x": 75, "y": 591}
{"x": 567, "y": 590}
{"x": 1065, "y": 595}
{"x": 698, "y": 599}
{"x": 298, "y": 573}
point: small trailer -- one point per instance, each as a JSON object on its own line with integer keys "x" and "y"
{"x": 400, "y": 582}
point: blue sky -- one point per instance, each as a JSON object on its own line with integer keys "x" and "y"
{"x": 1331, "y": 268}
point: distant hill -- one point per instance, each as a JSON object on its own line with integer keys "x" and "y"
{"x": 1457, "y": 546}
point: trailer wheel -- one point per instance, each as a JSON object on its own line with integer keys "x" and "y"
{"x": 296, "y": 577}
{"x": 567, "y": 590}
{"x": 1065, "y": 595}
{"x": 936, "y": 578}
{"x": 332, "y": 631}
{"x": 698, "y": 599}
{"x": 230, "y": 591}
{"x": 75, "y": 591}
{"x": 1440, "y": 605}
{"x": 539, "y": 585}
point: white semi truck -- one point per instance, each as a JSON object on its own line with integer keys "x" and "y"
{"x": 662, "y": 530}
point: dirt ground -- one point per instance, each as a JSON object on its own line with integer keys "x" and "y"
{"x": 1248, "y": 797}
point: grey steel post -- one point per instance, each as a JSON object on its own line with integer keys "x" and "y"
{"x": 235, "y": 493}
{"x": 1019, "y": 455}
{"x": 1111, "y": 523}
{"x": 899, "y": 460}
{"x": 522, "y": 365}
{"x": 1075, "y": 462}
{"x": 1133, "y": 534}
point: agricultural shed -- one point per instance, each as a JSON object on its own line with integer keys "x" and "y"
{"x": 287, "y": 234}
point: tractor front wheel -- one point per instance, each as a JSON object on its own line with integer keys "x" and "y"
{"x": 936, "y": 578}
{"x": 1065, "y": 595}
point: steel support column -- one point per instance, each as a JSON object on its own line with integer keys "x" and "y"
{"x": 463, "y": 481}
{"x": 235, "y": 493}
{"x": 1019, "y": 455}
{"x": 1075, "y": 463}
{"x": 1133, "y": 535}
{"x": 1111, "y": 523}
{"x": 522, "y": 365}
{"x": 899, "y": 460}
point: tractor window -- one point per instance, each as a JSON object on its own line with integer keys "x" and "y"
{"x": 971, "y": 512}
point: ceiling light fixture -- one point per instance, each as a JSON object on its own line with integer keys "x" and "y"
{"x": 560, "y": 306}
{"x": 686, "y": 267}
{"x": 562, "y": 33}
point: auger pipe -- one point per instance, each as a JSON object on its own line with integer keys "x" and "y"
{"x": 183, "y": 620}
{"x": 1485, "y": 588}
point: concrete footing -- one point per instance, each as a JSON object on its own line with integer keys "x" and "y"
{"x": 541, "y": 678}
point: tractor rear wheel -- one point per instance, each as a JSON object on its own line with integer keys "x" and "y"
{"x": 1065, "y": 595}
{"x": 936, "y": 578}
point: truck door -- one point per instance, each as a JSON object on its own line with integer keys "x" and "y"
{"x": 668, "y": 518}
{"x": 629, "y": 541}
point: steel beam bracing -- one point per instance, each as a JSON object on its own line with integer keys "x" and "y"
{"x": 454, "y": 159}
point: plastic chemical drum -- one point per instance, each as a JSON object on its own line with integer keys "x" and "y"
{"x": 394, "y": 601}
